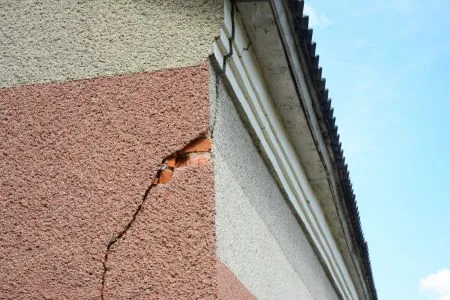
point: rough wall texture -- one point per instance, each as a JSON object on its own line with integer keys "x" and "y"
{"x": 258, "y": 237}
{"x": 46, "y": 41}
{"x": 229, "y": 286}
{"x": 169, "y": 252}
{"x": 76, "y": 159}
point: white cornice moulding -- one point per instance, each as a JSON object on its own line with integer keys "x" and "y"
{"x": 246, "y": 79}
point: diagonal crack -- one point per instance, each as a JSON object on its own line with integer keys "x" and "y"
{"x": 120, "y": 235}
{"x": 200, "y": 145}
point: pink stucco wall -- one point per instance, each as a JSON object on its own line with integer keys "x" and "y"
{"x": 229, "y": 286}
{"x": 170, "y": 251}
{"x": 76, "y": 160}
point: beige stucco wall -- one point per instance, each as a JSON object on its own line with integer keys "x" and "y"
{"x": 50, "y": 40}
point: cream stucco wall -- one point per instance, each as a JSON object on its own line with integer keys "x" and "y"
{"x": 258, "y": 236}
{"x": 50, "y": 40}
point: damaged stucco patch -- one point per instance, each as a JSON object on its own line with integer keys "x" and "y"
{"x": 169, "y": 252}
{"x": 195, "y": 154}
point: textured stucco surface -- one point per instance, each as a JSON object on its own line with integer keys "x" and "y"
{"x": 229, "y": 286}
{"x": 76, "y": 159}
{"x": 169, "y": 252}
{"x": 47, "y": 41}
{"x": 258, "y": 237}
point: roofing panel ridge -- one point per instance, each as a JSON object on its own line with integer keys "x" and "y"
{"x": 306, "y": 44}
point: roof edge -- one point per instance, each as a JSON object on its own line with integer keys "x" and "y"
{"x": 323, "y": 109}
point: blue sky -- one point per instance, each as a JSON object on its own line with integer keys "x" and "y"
{"x": 387, "y": 64}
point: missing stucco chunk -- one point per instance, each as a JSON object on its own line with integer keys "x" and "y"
{"x": 194, "y": 154}
{"x": 197, "y": 152}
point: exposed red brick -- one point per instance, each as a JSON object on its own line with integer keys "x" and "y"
{"x": 165, "y": 176}
{"x": 200, "y": 145}
{"x": 197, "y": 154}
{"x": 171, "y": 161}
{"x": 194, "y": 159}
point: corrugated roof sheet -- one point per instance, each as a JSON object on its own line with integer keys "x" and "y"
{"x": 308, "y": 47}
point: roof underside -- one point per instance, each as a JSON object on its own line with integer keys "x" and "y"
{"x": 329, "y": 155}
{"x": 325, "y": 110}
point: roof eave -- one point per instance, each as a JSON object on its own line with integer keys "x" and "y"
{"x": 323, "y": 110}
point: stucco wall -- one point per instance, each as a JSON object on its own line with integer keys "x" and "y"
{"x": 76, "y": 161}
{"x": 258, "y": 237}
{"x": 170, "y": 251}
{"x": 229, "y": 286}
{"x": 49, "y": 40}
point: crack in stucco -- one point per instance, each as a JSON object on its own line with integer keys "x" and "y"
{"x": 195, "y": 153}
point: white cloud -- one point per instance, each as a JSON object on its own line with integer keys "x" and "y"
{"x": 316, "y": 19}
{"x": 436, "y": 285}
